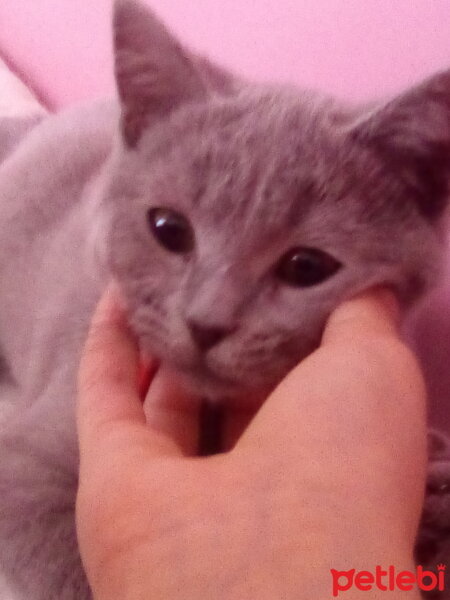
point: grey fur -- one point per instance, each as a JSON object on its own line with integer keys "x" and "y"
{"x": 257, "y": 169}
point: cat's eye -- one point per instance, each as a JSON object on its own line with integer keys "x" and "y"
{"x": 171, "y": 229}
{"x": 304, "y": 267}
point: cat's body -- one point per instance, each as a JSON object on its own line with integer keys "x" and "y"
{"x": 50, "y": 283}
{"x": 202, "y": 203}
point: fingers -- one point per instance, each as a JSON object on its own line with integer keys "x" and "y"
{"x": 371, "y": 314}
{"x": 109, "y": 374}
{"x": 374, "y": 357}
{"x": 374, "y": 314}
{"x": 353, "y": 412}
{"x": 172, "y": 411}
{"x": 110, "y": 391}
{"x": 361, "y": 377}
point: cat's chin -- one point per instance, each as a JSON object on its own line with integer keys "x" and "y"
{"x": 203, "y": 383}
{"x": 202, "y": 378}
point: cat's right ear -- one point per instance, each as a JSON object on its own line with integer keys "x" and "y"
{"x": 154, "y": 74}
{"x": 411, "y": 133}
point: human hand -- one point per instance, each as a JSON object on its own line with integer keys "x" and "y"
{"x": 328, "y": 474}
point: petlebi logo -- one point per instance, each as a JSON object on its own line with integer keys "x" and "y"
{"x": 388, "y": 579}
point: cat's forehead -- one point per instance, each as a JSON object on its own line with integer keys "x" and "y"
{"x": 259, "y": 156}
{"x": 260, "y": 125}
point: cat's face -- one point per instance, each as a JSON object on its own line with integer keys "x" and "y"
{"x": 239, "y": 218}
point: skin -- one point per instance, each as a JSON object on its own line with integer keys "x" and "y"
{"x": 329, "y": 472}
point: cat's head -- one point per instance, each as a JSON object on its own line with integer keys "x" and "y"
{"x": 241, "y": 215}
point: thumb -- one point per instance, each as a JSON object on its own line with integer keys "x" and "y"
{"x": 361, "y": 388}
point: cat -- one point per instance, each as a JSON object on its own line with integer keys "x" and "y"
{"x": 234, "y": 216}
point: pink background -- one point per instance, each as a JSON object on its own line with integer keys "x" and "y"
{"x": 355, "y": 48}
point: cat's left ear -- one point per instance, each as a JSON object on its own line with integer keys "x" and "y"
{"x": 154, "y": 74}
{"x": 411, "y": 134}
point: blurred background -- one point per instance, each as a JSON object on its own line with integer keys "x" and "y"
{"x": 355, "y": 48}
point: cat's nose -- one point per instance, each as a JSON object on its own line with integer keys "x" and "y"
{"x": 206, "y": 336}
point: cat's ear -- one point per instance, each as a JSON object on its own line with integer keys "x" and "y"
{"x": 154, "y": 74}
{"x": 411, "y": 133}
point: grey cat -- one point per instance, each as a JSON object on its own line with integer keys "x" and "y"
{"x": 234, "y": 216}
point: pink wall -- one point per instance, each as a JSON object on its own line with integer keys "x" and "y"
{"x": 357, "y": 48}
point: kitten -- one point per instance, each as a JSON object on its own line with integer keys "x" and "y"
{"x": 234, "y": 216}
